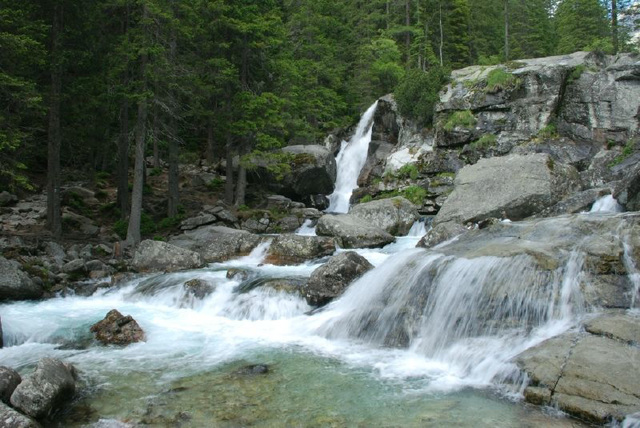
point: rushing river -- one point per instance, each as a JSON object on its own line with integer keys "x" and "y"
{"x": 326, "y": 367}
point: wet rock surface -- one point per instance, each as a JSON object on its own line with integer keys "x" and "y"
{"x": 592, "y": 375}
{"x": 161, "y": 256}
{"x": 352, "y": 232}
{"x": 9, "y": 380}
{"x": 289, "y": 249}
{"x": 117, "y": 329}
{"x": 43, "y": 391}
{"x": 217, "y": 243}
{"x": 332, "y": 279}
{"x": 15, "y": 284}
{"x": 10, "y": 418}
{"x": 394, "y": 215}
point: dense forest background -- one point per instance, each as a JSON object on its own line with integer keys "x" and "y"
{"x": 98, "y": 85}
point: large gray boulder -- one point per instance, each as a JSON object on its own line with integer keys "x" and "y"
{"x": 289, "y": 249}
{"x": 591, "y": 376}
{"x": 9, "y": 380}
{"x": 42, "y": 392}
{"x": 9, "y": 418}
{"x": 313, "y": 172}
{"x": 217, "y": 243}
{"x": 352, "y": 232}
{"x": 15, "y": 284}
{"x": 151, "y": 256}
{"x": 512, "y": 186}
{"x": 394, "y": 215}
{"x": 332, "y": 279}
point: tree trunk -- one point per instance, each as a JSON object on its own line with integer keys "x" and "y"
{"x": 241, "y": 186}
{"x": 54, "y": 215}
{"x": 156, "y": 132}
{"x": 210, "y": 144}
{"x": 441, "y": 36}
{"x": 133, "y": 231}
{"x": 174, "y": 143}
{"x": 614, "y": 26}
{"x": 122, "y": 174}
{"x": 506, "y": 30}
{"x": 228, "y": 187}
{"x": 407, "y": 37}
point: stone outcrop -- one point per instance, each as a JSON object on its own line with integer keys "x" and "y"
{"x": 217, "y": 243}
{"x": 153, "y": 256}
{"x": 513, "y": 187}
{"x": 43, "y": 391}
{"x": 291, "y": 249}
{"x": 592, "y": 376}
{"x": 395, "y": 215}
{"x": 10, "y": 418}
{"x": 15, "y": 284}
{"x": 332, "y": 279}
{"x": 117, "y": 329}
{"x": 313, "y": 172}
{"x": 352, "y": 232}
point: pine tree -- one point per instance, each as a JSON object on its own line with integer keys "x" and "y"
{"x": 582, "y": 25}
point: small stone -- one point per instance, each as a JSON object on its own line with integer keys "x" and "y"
{"x": 117, "y": 329}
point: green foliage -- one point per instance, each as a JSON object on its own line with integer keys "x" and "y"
{"x": 170, "y": 222}
{"x": 120, "y": 228}
{"x": 499, "y": 79}
{"x": 147, "y": 225}
{"x": 548, "y": 132}
{"x": 417, "y": 94}
{"x": 155, "y": 172}
{"x": 626, "y": 152}
{"x": 576, "y": 72}
{"x": 159, "y": 238}
{"x": 407, "y": 171}
{"x": 215, "y": 184}
{"x": 581, "y": 25}
{"x": 365, "y": 199}
{"x": 485, "y": 142}
{"x": 462, "y": 119}
{"x": 415, "y": 194}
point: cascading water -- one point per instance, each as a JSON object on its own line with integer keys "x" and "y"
{"x": 398, "y": 348}
{"x": 350, "y": 160}
{"x": 606, "y": 204}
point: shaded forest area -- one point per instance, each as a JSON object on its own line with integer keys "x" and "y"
{"x": 99, "y": 85}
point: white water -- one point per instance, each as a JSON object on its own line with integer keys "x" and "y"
{"x": 424, "y": 320}
{"x": 350, "y": 160}
{"x": 419, "y": 229}
{"x": 307, "y": 229}
{"x": 606, "y": 204}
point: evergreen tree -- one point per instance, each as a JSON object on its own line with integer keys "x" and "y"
{"x": 582, "y": 25}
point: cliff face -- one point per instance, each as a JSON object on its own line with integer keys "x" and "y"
{"x": 582, "y": 110}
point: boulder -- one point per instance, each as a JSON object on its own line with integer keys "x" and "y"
{"x": 394, "y": 215}
{"x": 217, "y": 243}
{"x": 352, "y": 232}
{"x": 313, "y": 172}
{"x": 153, "y": 256}
{"x": 513, "y": 186}
{"x": 291, "y": 285}
{"x": 440, "y": 233}
{"x": 198, "y": 288}
{"x": 628, "y": 191}
{"x": 332, "y": 279}
{"x": 289, "y": 249}
{"x": 42, "y": 392}
{"x": 76, "y": 267}
{"x": 15, "y": 284}
{"x": 591, "y": 377}
{"x": 195, "y": 222}
{"x": 9, "y": 380}
{"x": 7, "y": 198}
{"x": 10, "y": 418}
{"x": 117, "y": 329}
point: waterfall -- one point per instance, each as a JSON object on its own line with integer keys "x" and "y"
{"x": 606, "y": 204}
{"x": 350, "y": 160}
{"x": 307, "y": 228}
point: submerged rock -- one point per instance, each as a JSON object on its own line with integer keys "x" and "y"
{"x": 15, "y": 284}
{"x": 117, "y": 329}
{"x": 10, "y": 418}
{"x": 153, "y": 256}
{"x": 253, "y": 369}
{"x": 42, "y": 392}
{"x": 352, "y": 232}
{"x": 394, "y": 215}
{"x": 289, "y": 249}
{"x": 332, "y": 279}
{"x": 198, "y": 288}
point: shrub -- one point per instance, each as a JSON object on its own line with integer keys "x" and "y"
{"x": 463, "y": 118}
{"x": 120, "y": 228}
{"x": 626, "y": 152}
{"x": 576, "y": 73}
{"x": 548, "y": 131}
{"x": 215, "y": 184}
{"x": 407, "y": 171}
{"x": 147, "y": 225}
{"x": 486, "y": 141}
{"x": 417, "y": 93}
{"x": 499, "y": 80}
{"x": 155, "y": 171}
{"x": 415, "y": 194}
{"x": 365, "y": 199}
{"x": 169, "y": 222}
